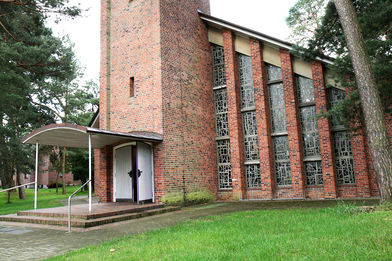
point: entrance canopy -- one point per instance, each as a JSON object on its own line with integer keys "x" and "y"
{"x": 76, "y": 136}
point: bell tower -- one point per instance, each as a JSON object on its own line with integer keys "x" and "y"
{"x": 156, "y": 76}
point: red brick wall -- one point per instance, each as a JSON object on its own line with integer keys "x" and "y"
{"x": 263, "y": 122}
{"x": 103, "y": 174}
{"x": 188, "y": 146}
{"x": 325, "y": 135}
{"x": 164, "y": 46}
{"x": 234, "y": 116}
{"x": 293, "y": 127}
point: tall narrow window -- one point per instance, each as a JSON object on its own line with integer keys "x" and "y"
{"x": 310, "y": 135}
{"x": 248, "y": 110}
{"x": 279, "y": 126}
{"x": 131, "y": 86}
{"x": 344, "y": 162}
{"x": 221, "y": 119}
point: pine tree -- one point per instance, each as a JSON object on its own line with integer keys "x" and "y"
{"x": 30, "y": 58}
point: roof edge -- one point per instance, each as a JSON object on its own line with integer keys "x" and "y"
{"x": 253, "y": 34}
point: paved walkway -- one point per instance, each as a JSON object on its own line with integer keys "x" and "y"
{"x": 35, "y": 242}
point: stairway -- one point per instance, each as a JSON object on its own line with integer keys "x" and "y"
{"x": 59, "y": 217}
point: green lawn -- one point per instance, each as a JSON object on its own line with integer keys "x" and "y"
{"x": 47, "y": 198}
{"x": 294, "y": 234}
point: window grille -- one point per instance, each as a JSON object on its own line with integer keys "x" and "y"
{"x": 278, "y": 110}
{"x": 218, "y": 63}
{"x": 314, "y": 173}
{"x": 335, "y": 96}
{"x": 305, "y": 90}
{"x": 344, "y": 162}
{"x": 279, "y": 126}
{"x": 221, "y": 119}
{"x": 310, "y": 135}
{"x": 225, "y": 179}
{"x": 246, "y": 81}
{"x": 282, "y": 160}
{"x": 253, "y": 176}
{"x": 251, "y": 144}
{"x": 274, "y": 73}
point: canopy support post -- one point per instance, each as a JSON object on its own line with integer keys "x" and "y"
{"x": 36, "y": 176}
{"x": 89, "y": 173}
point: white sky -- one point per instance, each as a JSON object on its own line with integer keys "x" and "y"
{"x": 265, "y": 16}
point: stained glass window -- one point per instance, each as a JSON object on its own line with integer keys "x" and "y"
{"x": 278, "y": 110}
{"x": 314, "y": 173}
{"x": 246, "y": 81}
{"x": 250, "y": 136}
{"x": 305, "y": 90}
{"x": 335, "y": 96}
{"x": 344, "y": 163}
{"x": 224, "y": 174}
{"x": 222, "y": 123}
{"x": 253, "y": 176}
{"x": 218, "y": 63}
{"x": 282, "y": 160}
{"x": 310, "y": 137}
{"x": 274, "y": 73}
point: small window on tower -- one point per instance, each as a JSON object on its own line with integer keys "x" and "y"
{"x": 131, "y": 86}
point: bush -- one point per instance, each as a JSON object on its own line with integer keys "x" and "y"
{"x": 53, "y": 185}
{"x": 192, "y": 198}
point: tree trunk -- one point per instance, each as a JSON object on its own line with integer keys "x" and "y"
{"x": 57, "y": 183}
{"x": 380, "y": 147}
{"x": 63, "y": 159}
{"x": 21, "y": 190}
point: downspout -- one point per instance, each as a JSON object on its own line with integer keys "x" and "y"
{"x": 108, "y": 61}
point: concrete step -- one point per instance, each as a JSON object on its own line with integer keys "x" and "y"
{"x": 84, "y": 223}
{"x": 64, "y": 214}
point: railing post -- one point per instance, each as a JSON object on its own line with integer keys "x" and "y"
{"x": 89, "y": 173}
{"x": 69, "y": 214}
{"x": 36, "y": 176}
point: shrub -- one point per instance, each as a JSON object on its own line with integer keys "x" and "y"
{"x": 192, "y": 198}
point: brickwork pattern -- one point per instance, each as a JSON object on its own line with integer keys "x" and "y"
{"x": 103, "y": 174}
{"x": 169, "y": 56}
{"x": 234, "y": 115}
{"x": 263, "y": 123}
{"x": 188, "y": 148}
{"x": 324, "y": 127}
{"x": 293, "y": 126}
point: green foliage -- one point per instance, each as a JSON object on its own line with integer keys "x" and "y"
{"x": 192, "y": 198}
{"x": 304, "y": 18}
{"x": 295, "y": 234}
{"x": 31, "y": 58}
{"x": 374, "y": 18}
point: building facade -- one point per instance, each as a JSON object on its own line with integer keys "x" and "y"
{"x": 236, "y": 111}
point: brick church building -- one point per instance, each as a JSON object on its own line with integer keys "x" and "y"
{"x": 235, "y": 112}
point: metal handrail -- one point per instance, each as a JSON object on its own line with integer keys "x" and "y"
{"x": 69, "y": 203}
{"x": 17, "y": 187}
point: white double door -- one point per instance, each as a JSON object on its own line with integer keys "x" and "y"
{"x": 133, "y": 181}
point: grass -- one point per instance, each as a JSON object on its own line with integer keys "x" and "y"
{"x": 291, "y": 234}
{"x": 47, "y": 198}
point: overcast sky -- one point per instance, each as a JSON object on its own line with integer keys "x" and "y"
{"x": 265, "y": 16}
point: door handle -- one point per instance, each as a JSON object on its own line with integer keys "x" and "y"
{"x": 139, "y": 173}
